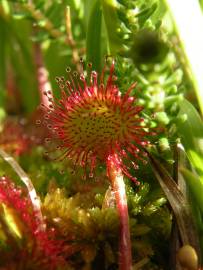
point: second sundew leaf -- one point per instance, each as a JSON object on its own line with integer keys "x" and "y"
{"x": 93, "y": 39}
{"x": 190, "y": 129}
{"x": 112, "y": 25}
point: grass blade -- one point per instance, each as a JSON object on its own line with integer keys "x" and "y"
{"x": 191, "y": 133}
{"x": 178, "y": 203}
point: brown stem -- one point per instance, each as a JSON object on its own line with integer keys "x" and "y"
{"x": 116, "y": 177}
{"x": 54, "y": 32}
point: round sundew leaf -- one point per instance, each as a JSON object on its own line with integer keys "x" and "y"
{"x": 92, "y": 120}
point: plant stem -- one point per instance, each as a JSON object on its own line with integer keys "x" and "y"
{"x": 38, "y": 16}
{"x": 42, "y": 75}
{"x": 116, "y": 177}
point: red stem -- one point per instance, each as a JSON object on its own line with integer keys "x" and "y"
{"x": 42, "y": 75}
{"x": 116, "y": 177}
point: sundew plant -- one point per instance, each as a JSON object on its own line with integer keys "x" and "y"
{"x": 101, "y": 135}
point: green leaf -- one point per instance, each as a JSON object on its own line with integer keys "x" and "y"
{"x": 93, "y": 39}
{"x": 191, "y": 133}
{"x": 22, "y": 63}
{"x": 195, "y": 189}
{"x": 144, "y": 14}
{"x": 2, "y": 60}
{"x": 112, "y": 25}
{"x": 195, "y": 186}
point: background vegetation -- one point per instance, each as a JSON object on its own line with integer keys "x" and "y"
{"x": 143, "y": 38}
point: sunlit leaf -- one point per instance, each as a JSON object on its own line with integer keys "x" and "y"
{"x": 93, "y": 40}
{"x": 191, "y": 133}
{"x": 112, "y": 25}
{"x": 195, "y": 186}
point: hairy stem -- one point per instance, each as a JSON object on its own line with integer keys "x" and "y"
{"x": 116, "y": 177}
